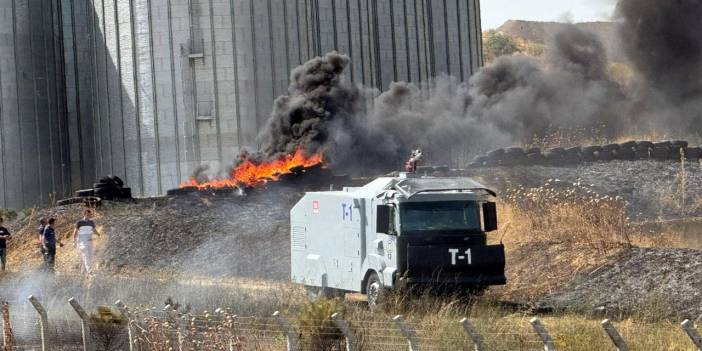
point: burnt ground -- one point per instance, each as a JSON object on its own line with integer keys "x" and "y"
{"x": 228, "y": 235}
{"x": 639, "y": 280}
{"x": 653, "y": 189}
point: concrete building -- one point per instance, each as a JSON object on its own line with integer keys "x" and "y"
{"x": 150, "y": 89}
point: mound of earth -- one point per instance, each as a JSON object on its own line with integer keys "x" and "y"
{"x": 654, "y": 190}
{"x": 666, "y": 281}
{"x": 229, "y": 235}
{"x": 224, "y": 236}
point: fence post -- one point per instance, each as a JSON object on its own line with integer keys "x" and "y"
{"x": 407, "y": 332}
{"x": 84, "y": 324}
{"x": 125, "y": 313}
{"x": 692, "y": 333}
{"x": 614, "y": 335}
{"x": 474, "y": 335}
{"x": 289, "y": 331}
{"x": 351, "y": 344}
{"x": 540, "y": 329}
{"x": 43, "y": 320}
{"x": 7, "y": 335}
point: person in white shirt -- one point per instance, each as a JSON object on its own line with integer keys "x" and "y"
{"x": 83, "y": 239}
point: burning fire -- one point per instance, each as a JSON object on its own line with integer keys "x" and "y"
{"x": 251, "y": 173}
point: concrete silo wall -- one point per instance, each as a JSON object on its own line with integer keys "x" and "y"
{"x": 34, "y": 156}
{"x": 155, "y": 88}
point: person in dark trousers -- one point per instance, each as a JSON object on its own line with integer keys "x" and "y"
{"x": 48, "y": 242}
{"x": 40, "y": 234}
{"x": 4, "y": 237}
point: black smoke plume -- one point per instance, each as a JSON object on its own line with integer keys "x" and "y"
{"x": 663, "y": 40}
{"x": 511, "y": 101}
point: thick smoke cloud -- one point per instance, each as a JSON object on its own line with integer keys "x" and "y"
{"x": 513, "y": 100}
{"x": 663, "y": 40}
{"x": 318, "y": 99}
{"x": 510, "y": 101}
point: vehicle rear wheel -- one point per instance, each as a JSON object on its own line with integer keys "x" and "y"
{"x": 374, "y": 291}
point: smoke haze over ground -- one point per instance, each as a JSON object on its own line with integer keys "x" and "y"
{"x": 512, "y": 101}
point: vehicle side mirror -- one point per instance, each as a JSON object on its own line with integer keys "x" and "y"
{"x": 490, "y": 216}
{"x": 382, "y": 219}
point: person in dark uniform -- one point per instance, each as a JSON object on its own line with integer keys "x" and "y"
{"x": 40, "y": 234}
{"x": 48, "y": 242}
{"x": 4, "y": 237}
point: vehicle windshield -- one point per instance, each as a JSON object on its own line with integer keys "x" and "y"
{"x": 445, "y": 215}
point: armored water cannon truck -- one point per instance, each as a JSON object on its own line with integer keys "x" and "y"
{"x": 396, "y": 231}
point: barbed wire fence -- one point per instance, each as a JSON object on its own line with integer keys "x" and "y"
{"x": 120, "y": 327}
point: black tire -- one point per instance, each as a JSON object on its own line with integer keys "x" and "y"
{"x": 660, "y": 153}
{"x": 605, "y": 155}
{"x": 98, "y": 186}
{"x": 106, "y": 194}
{"x": 375, "y": 291}
{"x": 627, "y": 145}
{"x": 589, "y": 153}
{"x": 182, "y": 191}
{"x": 556, "y": 151}
{"x": 676, "y": 153}
{"x": 591, "y": 149}
{"x": 85, "y": 192}
{"x": 694, "y": 153}
{"x": 625, "y": 154}
{"x": 680, "y": 143}
{"x": 106, "y": 180}
{"x": 610, "y": 147}
{"x": 643, "y": 152}
{"x": 662, "y": 144}
{"x": 126, "y": 193}
{"x": 118, "y": 181}
{"x": 646, "y": 144}
{"x": 69, "y": 201}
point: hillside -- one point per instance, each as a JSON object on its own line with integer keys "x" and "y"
{"x": 540, "y": 32}
{"x": 233, "y": 236}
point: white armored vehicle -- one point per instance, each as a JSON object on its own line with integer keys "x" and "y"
{"x": 396, "y": 231}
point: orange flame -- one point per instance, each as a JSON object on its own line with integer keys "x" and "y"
{"x": 253, "y": 173}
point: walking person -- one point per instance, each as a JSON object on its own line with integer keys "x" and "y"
{"x": 83, "y": 238}
{"x": 4, "y": 237}
{"x": 49, "y": 240}
{"x": 40, "y": 233}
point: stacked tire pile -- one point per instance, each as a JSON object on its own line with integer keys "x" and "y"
{"x": 562, "y": 157}
{"x": 107, "y": 188}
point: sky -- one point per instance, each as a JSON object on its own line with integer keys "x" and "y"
{"x": 497, "y": 12}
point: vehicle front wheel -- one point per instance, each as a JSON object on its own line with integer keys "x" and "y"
{"x": 374, "y": 291}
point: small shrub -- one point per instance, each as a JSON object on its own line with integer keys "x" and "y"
{"x": 107, "y": 328}
{"x": 317, "y": 330}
